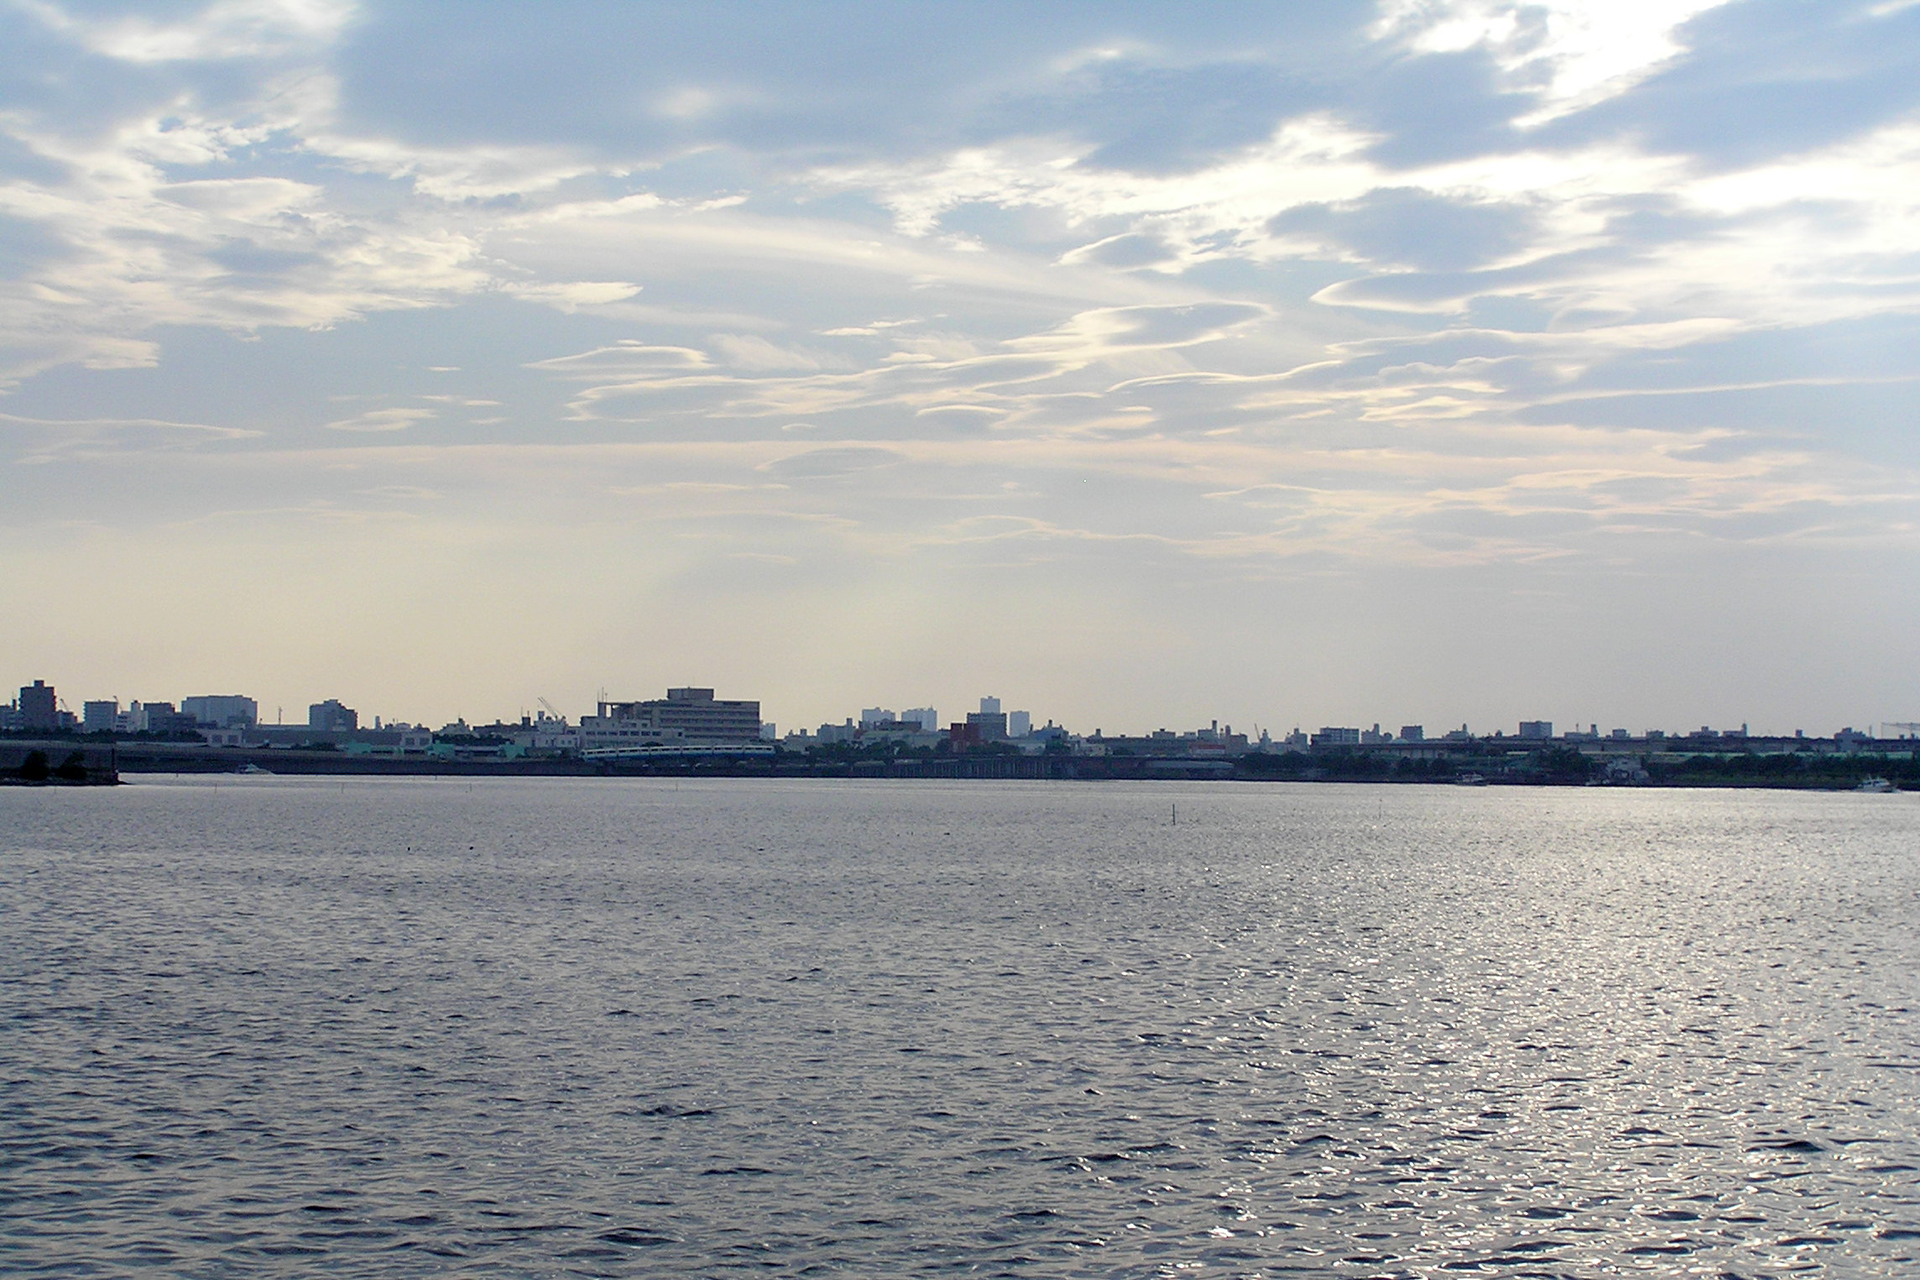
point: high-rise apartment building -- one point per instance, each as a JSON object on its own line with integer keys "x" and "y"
{"x": 987, "y": 726}
{"x": 332, "y": 717}
{"x": 39, "y": 708}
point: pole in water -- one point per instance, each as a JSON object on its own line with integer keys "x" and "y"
{"x": 1176, "y": 815}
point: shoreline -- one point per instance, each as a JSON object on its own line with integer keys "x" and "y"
{"x": 106, "y": 764}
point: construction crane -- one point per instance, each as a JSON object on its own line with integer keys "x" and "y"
{"x": 551, "y": 710}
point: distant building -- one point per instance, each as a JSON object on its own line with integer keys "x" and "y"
{"x": 332, "y": 717}
{"x": 689, "y": 715}
{"x": 901, "y": 733}
{"x": 1333, "y": 737}
{"x": 1624, "y": 771}
{"x": 988, "y": 726}
{"x": 1019, "y": 724}
{"x": 39, "y": 708}
{"x": 1373, "y": 737}
{"x": 881, "y": 724}
{"x": 160, "y": 717}
{"x": 100, "y": 717}
{"x": 223, "y": 711}
{"x": 1536, "y": 730}
{"x": 1413, "y": 733}
{"x": 1215, "y": 739}
{"x": 989, "y": 706}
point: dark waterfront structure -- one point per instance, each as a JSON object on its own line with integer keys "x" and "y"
{"x": 57, "y": 763}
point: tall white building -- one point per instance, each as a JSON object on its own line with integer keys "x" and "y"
{"x": 1019, "y": 724}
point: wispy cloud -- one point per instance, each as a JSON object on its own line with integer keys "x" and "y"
{"x": 1572, "y": 53}
{"x": 223, "y": 30}
{"x": 379, "y": 420}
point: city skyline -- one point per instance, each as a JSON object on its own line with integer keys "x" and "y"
{"x": 333, "y": 713}
{"x": 1472, "y": 360}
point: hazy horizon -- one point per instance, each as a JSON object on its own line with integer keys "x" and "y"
{"x": 1420, "y": 361}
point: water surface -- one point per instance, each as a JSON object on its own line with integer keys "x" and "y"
{"x": 546, "y": 1027}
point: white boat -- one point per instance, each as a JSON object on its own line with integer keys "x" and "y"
{"x": 1877, "y": 786}
{"x": 1470, "y": 780}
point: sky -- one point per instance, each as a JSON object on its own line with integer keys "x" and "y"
{"x": 1141, "y": 364}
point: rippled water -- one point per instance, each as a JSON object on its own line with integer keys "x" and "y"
{"x": 282, "y": 1027}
